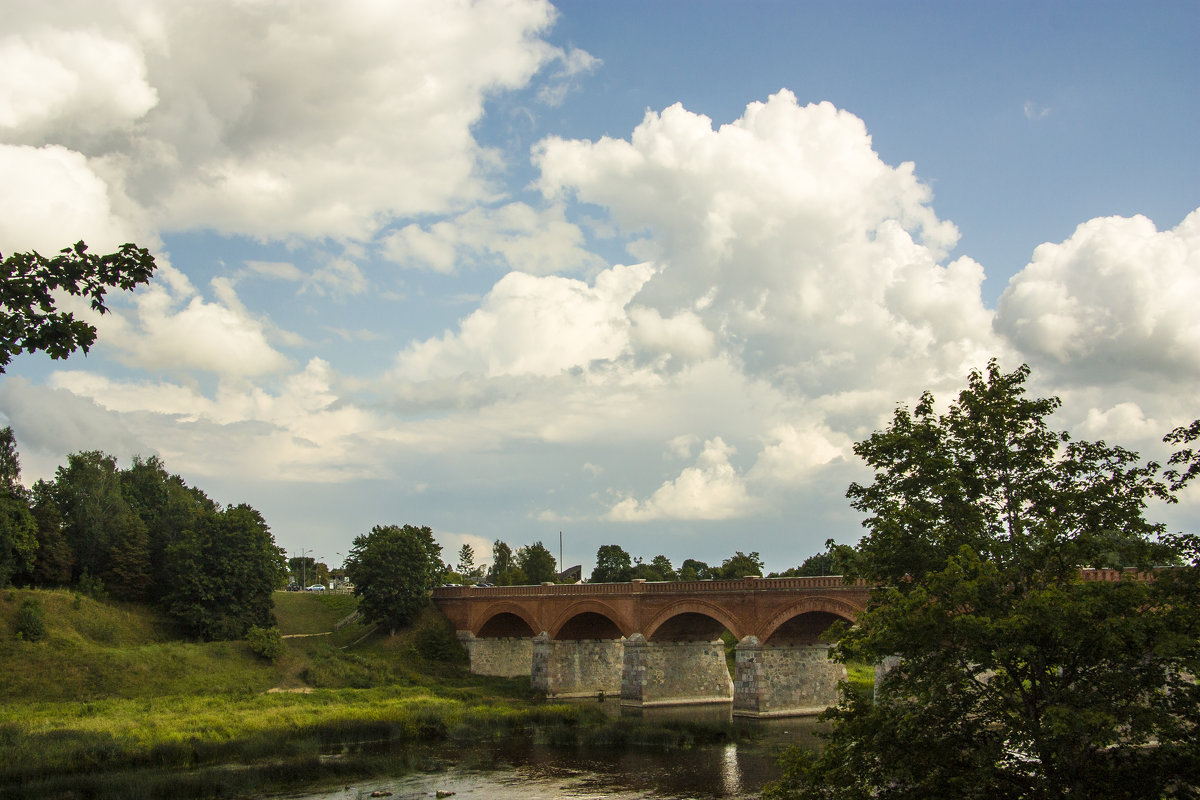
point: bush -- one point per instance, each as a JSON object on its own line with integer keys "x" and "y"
{"x": 265, "y": 642}
{"x": 31, "y": 620}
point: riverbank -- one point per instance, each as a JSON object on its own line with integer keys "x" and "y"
{"x": 110, "y": 704}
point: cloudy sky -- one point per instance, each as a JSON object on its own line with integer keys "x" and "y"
{"x": 636, "y": 272}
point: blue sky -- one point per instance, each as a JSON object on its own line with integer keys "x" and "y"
{"x": 637, "y": 272}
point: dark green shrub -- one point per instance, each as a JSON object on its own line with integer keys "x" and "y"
{"x": 265, "y": 642}
{"x": 31, "y": 620}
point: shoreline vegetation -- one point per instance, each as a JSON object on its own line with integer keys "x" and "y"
{"x": 112, "y": 702}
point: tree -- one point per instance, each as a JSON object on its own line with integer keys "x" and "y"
{"x": 466, "y": 560}
{"x": 222, "y": 574}
{"x": 18, "y": 529}
{"x": 29, "y": 320}
{"x": 613, "y": 565}
{"x": 537, "y": 563}
{"x": 393, "y": 569}
{"x": 693, "y": 570}
{"x": 1016, "y": 678}
{"x": 659, "y": 569}
{"x": 739, "y": 565}
{"x": 837, "y": 559}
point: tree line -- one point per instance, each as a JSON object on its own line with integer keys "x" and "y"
{"x": 138, "y": 534}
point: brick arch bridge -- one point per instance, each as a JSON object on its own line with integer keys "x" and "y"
{"x": 659, "y": 643}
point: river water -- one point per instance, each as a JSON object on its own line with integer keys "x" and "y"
{"x": 521, "y": 770}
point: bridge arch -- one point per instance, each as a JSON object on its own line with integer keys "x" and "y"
{"x": 578, "y": 617}
{"x": 827, "y": 609}
{"x": 500, "y": 623}
{"x": 696, "y": 607}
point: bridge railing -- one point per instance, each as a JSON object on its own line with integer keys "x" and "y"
{"x": 649, "y": 587}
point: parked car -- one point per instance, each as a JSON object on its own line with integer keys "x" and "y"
{"x": 317, "y": 587}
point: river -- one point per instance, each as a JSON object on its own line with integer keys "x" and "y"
{"x": 521, "y": 770}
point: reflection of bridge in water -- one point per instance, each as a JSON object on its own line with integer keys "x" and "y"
{"x": 660, "y": 643}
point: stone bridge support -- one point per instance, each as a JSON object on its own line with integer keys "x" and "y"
{"x": 784, "y": 680}
{"x": 576, "y": 667}
{"x": 507, "y": 657}
{"x": 674, "y": 673}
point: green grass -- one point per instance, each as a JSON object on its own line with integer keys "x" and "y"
{"x": 311, "y": 612}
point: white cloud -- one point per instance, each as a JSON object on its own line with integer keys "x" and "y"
{"x": 710, "y": 490}
{"x": 1115, "y": 300}
{"x": 514, "y": 236}
{"x": 794, "y": 453}
{"x": 788, "y": 242}
{"x": 530, "y": 325}
{"x": 169, "y": 327}
{"x": 52, "y": 197}
{"x": 278, "y": 270}
{"x": 308, "y": 120}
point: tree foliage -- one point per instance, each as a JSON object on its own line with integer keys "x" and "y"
{"x": 613, "y": 565}
{"x": 537, "y": 563}
{"x": 1016, "y": 677}
{"x": 29, "y": 318}
{"x": 393, "y": 569}
{"x": 18, "y": 529}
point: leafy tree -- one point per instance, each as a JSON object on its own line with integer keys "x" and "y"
{"x": 108, "y": 539}
{"x": 693, "y": 570}
{"x": 466, "y": 560}
{"x": 659, "y": 569}
{"x": 613, "y": 565}
{"x": 54, "y": 558}
{"x": 739, "y": 565}
{"x": 18, "y": 529}
{"x": 393, "y": 569}
{"x": 29, "y": 319}
{"x": 537, "y": 563}
{"x": 837, "y": 559}
{"x": 223, "y": 574}
{"x": 1017, "y": 678}
{"x": 167, "y": 507}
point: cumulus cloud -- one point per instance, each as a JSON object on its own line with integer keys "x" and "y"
{"x": 529, "y": 325}
{"x": 168, "y": 326}
{"x": 269, "y": 119}
{"x": 710, "y": 490}
{"x": 782, "y": 237}
{"x": 514, "y": 236}
{"x": 1117, "y": 299}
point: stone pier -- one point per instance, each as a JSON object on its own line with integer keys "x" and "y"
{"x": 674, "y": 673}
{"x": 506, "y": 657}
{"x": 577, "y": 667}
{"x": 784, "y": 680}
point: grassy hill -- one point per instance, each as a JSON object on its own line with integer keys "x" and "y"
{"x": 95, "y": 650}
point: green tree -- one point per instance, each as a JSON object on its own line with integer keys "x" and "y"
{"x": 613, "y": 565}
{"x": 504, "y": 570}
{"x": 537, "y": 563}
{"x": 29, "y": 319}
{"x": 18, "y": 529}
{"x": 1016, "y": 677}
{"x": 739, "y": 565}
{"x": 223, "y": 573}
{"x": 837, "y": 559}
{"x": 659, "y": 569}
{"x": 108, "y": 539}
{"x": 693, "y": 570}
{"x": 54, "y": 558}
{"x": 466, "y": 562}
{"x": 393, "y": 569}
{"x": 166, "y": 507}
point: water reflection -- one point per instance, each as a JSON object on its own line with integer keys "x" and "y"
{"x": 521, "y": 770}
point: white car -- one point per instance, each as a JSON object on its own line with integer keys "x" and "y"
{"x": 317, "y": 587}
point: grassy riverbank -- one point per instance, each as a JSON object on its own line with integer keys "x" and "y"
{"x": 112, "y": 704}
